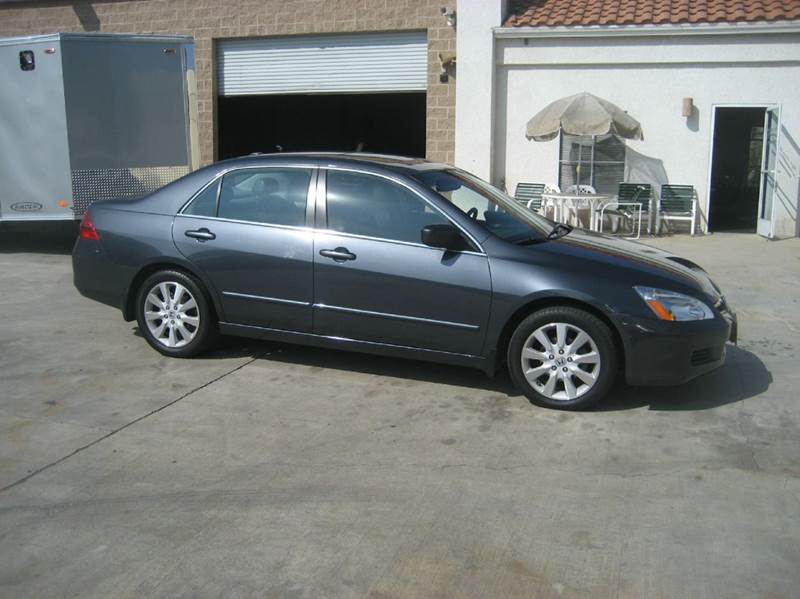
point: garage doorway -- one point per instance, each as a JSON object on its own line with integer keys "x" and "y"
{"x": 339, "y": 92}
{"x": 736, "y": 166}
{"x": 388, "y": 123}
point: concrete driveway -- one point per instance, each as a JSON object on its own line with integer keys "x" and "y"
{"x": 281, "y": 471}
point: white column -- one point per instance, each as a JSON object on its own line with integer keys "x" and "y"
{"x": 475, "y": 83}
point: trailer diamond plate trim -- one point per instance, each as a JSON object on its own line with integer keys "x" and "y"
{"x": 89, "y": 185}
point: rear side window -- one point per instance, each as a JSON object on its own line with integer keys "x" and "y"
{"x": 275, "y": 196}
{"x": 372, "y": 206}
{"x": 205, "y": 203}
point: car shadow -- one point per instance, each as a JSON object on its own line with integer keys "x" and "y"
{"x": 742, "y": 376}
{"x": 38, "y": 238}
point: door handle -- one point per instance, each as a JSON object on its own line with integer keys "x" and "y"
{"x": 340, "y": 254}
{"x": 200, "y": 234}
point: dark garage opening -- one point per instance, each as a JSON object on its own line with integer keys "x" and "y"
{"x": 383, "y": 123}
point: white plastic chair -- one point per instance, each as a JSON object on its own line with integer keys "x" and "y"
{"x": 546, "y": 205}
{"x": 573, "y": 207}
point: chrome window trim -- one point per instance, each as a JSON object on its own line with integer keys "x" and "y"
{"x": 263, "y": 298}
{"x": 392, "y": 316}
{"x": 402, "y": 183}
{"x": 303, "y": 228}
{"x": 393, "y": 241}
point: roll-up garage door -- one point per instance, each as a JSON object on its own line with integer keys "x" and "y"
{"x": 347, "y": 63}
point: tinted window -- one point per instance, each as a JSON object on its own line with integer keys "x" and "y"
{"x": 205, "y": 204}
{"x": 372, "y": 206}
{"x": 498, "y": 213}
{"x": 276, "y": 196}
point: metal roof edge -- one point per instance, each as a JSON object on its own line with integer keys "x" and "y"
{"x": 96, "y": 37}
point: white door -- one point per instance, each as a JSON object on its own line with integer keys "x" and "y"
{"x": 766, "y": 197}
{"x": 312, "y": 64}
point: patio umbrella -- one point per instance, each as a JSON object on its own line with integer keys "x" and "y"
{"x": 582, "y": 114}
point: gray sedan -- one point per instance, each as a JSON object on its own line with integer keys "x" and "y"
{"x": 400, "y": 257}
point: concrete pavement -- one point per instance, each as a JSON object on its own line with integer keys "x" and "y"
{"x": 281, "y": 471}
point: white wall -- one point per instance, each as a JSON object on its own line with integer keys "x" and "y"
{"x": 475, "y": 83}
{"x": 649, "y": 77}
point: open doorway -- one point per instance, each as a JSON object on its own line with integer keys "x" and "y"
{"x": 736, "y": 168}
{"x": 390, "y": 123}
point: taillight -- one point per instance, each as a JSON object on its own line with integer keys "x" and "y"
{"x": 88, "y": 230}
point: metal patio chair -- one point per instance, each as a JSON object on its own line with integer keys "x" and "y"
{"x": 633, "y": 205}
{"x": 677, "y": 202}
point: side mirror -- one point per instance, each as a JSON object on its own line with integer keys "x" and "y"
{"x": 446, "y": 237}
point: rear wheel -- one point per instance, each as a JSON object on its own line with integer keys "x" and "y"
{"x": 563, "y": 358}
{"x": 175, "y": 315}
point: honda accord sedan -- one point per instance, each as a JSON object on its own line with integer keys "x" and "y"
{"x": 405, "y": 258}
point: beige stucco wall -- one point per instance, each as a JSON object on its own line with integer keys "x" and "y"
{"x": 210, "y": 20}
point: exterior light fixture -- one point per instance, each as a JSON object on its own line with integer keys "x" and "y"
{"x": 450, "y": 16}
{"x": 687, "y": 107}
{"x": 448, "y": 59}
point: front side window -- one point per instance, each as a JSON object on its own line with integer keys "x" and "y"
{"x": 495, "y": 211}
{"x": 375, "y": 207}
{"x": 275, "y": 196}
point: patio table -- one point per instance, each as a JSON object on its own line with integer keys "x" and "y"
{"x": 592, "y": 200}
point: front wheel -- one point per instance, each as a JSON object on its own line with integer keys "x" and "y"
{"x": 175, "y": 315}
{"x": 563, "y": 358}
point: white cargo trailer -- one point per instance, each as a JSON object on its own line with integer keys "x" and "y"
{"x": 89, "y": 116}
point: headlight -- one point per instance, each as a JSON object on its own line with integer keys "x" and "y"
{"x": 670, "y": 305}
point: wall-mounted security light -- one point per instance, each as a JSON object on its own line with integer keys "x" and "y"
{"x": 446, "y": 60}
{"x": 687, "y": 106}
{"x": 449, "y": 15}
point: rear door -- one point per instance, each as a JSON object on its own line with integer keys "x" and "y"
{"x": 375, "y": 281}
{"x": 247, "y": 231}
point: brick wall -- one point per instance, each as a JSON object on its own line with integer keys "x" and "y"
{"x": 208, "y": 20}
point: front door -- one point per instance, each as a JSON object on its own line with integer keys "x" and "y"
{"x": 375, "y": 281}
{"x": 247, "y": 233}
{"x": 768, "y": 164}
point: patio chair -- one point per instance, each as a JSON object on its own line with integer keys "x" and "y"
{"x": 575, "y": 208}
{"x": 530, "y": 195}
{"x": 581, "y": 189}
{"x": 634, "y": 201}
{"x": 678, "y": 202}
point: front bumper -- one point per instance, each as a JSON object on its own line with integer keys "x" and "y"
{"x": 671, "y": 353}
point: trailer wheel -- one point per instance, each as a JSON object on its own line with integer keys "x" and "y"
{"x": 175, "y": 315}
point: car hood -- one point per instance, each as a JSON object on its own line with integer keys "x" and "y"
{"x": 639, "y": 255}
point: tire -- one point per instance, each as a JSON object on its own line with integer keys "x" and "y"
{"x": 561, "y": 374}
{"x": 178, "y": 327}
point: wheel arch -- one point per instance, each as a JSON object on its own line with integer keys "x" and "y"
{"x": 129, "y": 308}
{"x": 540, "y": 303}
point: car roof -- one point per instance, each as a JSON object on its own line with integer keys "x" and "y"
{"x": 399, "y": 164}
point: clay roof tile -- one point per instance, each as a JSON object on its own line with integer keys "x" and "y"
{"x": 552, "y": 13}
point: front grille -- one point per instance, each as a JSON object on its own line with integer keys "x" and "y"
{"x": 702, "y": 356}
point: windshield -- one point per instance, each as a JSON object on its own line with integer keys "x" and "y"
{"x": 497, "y": 212}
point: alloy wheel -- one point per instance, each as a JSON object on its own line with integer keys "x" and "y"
{"x": 171, "y": 314}
{"x": 561, "y": 361}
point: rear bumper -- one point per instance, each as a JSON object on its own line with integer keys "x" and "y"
{"x": 671, "y": 353}
{"x": 95, "y": 276}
